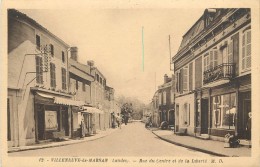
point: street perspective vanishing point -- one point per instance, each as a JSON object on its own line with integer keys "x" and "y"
{"x": 122, "y": 85}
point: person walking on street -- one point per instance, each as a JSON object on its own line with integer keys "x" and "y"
{"x": 118, "y": 120}
{"x": 248, "y": 126}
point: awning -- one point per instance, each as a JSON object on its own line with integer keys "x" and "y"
{"x": 62, "y": 100}
{"x": 91, "y": 110}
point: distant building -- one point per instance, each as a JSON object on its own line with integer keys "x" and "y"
{"x": 213, "y": 75}
{"x": 80, "y": 86}
{"x": 166, "y": 101}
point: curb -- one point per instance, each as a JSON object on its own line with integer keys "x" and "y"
{"x": 191, "y": 147}
{"x": 58, "y": 145}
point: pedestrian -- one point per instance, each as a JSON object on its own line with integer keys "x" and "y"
{"x": 248, "y": 126}
{"x": 118, "y": 120}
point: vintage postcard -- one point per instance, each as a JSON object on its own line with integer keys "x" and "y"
{"x": 130, "y": 83}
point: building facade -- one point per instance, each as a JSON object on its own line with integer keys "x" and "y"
{"x": 166, "y": 101}
{"x": 213, "y": 75}
{"x": 39, "y": 101}
{"x": 80, "y": 85}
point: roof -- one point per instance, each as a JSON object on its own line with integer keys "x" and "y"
{"x": 192, "y": 32}
{"x": 17, "y": 14}
{"x": 80, "y": 70}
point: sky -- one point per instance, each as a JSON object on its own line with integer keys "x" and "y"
{"x": 112, "y": 38}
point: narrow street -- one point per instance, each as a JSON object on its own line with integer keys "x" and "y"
{"x": 132, "y": 140}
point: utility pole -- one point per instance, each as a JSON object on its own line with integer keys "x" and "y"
{"x": 170, "y": 52}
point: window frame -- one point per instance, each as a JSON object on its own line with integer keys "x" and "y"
{"x": 52, "y": 75}
{"x": 39, "y": 70}
{"x": 246, "y": 44}
{"x": 64, "y": 78}
{"x": 38, "y": 41}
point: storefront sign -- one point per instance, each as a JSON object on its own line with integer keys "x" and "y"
{"x": 51, "y": 120}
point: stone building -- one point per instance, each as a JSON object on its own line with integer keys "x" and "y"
{"x": 213, "y": 75}
{"x": 39, "y": 101}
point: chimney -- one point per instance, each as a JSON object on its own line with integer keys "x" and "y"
{"x": 91, "y": 63}
{"x": 74, "y": 53}
{"x": 165, "y": 78}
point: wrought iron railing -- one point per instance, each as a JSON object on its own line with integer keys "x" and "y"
{"x": 222, "y": 71}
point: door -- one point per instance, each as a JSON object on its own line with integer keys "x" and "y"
{"x": 171, "y": 117}
{"x": 246, "y": 110}
{"x": 204, "y": 116}
{"x": 65, "y": 120}
{"x": 40, "y": 121}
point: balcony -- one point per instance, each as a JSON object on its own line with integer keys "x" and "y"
{"x": 221, "y": 72}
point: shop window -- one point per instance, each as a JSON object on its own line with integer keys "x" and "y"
{"x": 63, "y": 73}
{"x": 39, "y": 68}
{"x": 51, "y": 120}
{"x": 224, "y": 111}
{"x": 52, "y": 75}
{"x": 246, "y": 50}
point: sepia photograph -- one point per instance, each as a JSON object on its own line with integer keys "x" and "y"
{"x": 130, "y": 84}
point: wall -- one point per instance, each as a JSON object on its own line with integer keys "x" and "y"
{"x": 188, "y": 99}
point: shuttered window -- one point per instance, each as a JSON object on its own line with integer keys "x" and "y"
{"x": 52, "y": 75}
{"x": 39, "y": 75}
{"x": 230, "y": 52}
{"x": 63, "y": 72}
{"x": 190, "y": 76}
{"x": 185, "y": 78}
{"x": 246, "y": 50}
{"x": 198, "y": 72}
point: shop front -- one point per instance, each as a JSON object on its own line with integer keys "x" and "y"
{"x": 52, "y": 115}
{"x": 88, "y": 117}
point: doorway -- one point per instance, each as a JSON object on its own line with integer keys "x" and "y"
{"x": 204, "y": 116}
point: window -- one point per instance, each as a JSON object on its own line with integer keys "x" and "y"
{"x": 211, "y": 60}
{"x": 83, "y": 87}
{"x": 63, "y": 57}
{"x": 101, "y": 81}
{"x": 164, "y": 97}
{"x": 177, "y": 79}
{"x": 246, "y": 50}
{"x": 185, "y": 78}
{"x": 186, "y": 114}
{"x": 63, "y": 74}
{"x": 52, "y": 49}
{"x": 52, "y": 75}
{"x": 160, "y": 98}
{"x": 77, "y": 85}
{"x": 224, "y": 111}
{"x": 38, "y": 42}
{"x": 39, "y": 74}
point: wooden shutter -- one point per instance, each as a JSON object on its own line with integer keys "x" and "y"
{"x": 190, "y": 76}
{"x": 198, "y": 72}
{"x": 181, "y": 81}
{"x": 215, "y": 58}
{"x": 211, "y": 60}
{"x": 243, "y": 51}
{"x": 248, "y": 49}
{"x": 235, "y": 39}
{"x": 230, "y": 52}
{"x": 185, "y": 79}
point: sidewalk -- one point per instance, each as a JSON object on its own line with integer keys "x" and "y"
{"x": 207, "y": 146}
{"x": 100, "y": 134}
